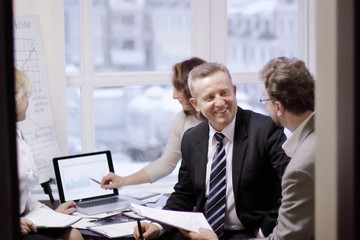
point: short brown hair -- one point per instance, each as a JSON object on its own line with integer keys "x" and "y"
{"x": 289, "y": 82}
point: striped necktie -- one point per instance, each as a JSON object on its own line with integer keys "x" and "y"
{"x": 216, "y": 203}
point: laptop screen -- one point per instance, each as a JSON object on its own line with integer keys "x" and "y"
{"x": 78, "y": 176}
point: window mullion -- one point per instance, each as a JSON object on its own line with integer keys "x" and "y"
{"x": 200, "y": 34}
{"x": 245, "y": 77}
{"x": 304, "y": 30}
{"x": 311, "y": 31}
{"x": 218, "y": 31}
{"x": 87, "y": 73}
{"x": 209, "y": 31}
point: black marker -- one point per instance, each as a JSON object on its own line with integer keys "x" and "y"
{"x": 140, "y": 230}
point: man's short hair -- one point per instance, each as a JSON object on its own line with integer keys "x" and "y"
{"x": 204, "y": 70}
{"x": 289, "y": 82}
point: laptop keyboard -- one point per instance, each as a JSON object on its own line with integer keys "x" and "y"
{"x": 98, "y": 202}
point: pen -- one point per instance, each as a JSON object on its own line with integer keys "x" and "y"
{"x": 140, "y": 230}
{"x": 101, "y": 219}
{"x": 110, "y": 217}
{"x": 96, "y": 181}
{"x": 95, "y": 220}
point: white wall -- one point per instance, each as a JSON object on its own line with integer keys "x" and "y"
{"x": 51, "y": 16}
{"x": 326, "y": 124}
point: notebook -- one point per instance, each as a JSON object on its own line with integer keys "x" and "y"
{"x": 78, "y": 179}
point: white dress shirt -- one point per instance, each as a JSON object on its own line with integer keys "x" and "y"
{"x": 28, "y": 176}
{"x": 232, "y": 221}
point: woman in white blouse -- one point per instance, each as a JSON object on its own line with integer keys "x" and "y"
{"x": 28, "y": 175}
{"x": 184, "y": 120}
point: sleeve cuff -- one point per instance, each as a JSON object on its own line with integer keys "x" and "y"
{"x": 161, "y": 229}
{"x": 261, "y": 233}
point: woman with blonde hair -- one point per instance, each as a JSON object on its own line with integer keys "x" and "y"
{"x": 28, "y": 175}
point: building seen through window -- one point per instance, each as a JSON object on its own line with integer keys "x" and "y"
{"x": 260, "y": 30}
{"x": 131, "y": 41}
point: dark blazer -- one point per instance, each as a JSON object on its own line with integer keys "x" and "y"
{"x": 258, "y": 165}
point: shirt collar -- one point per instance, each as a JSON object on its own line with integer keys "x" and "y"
{"x": 228, "y": 131}
{"x": 291, "y": 143}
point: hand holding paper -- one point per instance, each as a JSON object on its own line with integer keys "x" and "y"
{"x": 190, "y": 221}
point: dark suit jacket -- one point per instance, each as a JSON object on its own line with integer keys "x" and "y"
{"x": 258, "y": 165}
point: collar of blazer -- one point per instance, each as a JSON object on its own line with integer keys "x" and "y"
{"x": 239, "y": 148}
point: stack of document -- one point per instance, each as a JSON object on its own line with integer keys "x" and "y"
{"x": 48, "y": 218}
{"x": 115, "y": 230}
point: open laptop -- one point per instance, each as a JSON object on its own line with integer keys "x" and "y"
{"x": 78, "y": 179}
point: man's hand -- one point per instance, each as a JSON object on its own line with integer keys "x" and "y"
{"x": 205, "y": 234}
{"x": 26, "y": 226}
{"x": 112, "y": 181}
{"x": 150, "y": 231}
{"x": 66, "y": 208}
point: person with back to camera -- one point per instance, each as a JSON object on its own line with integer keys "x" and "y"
{"x": 288, "y": 94}
{"x": 232, "y": 164}
{"x": 185, "y": 119}
{"x": 289, "y": 97}
{"x": 28, "y": 175}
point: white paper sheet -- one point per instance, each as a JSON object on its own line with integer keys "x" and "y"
{"x": 146, "y": 196}
{"x": 85, "y": 223}
{"x": 46, "y": 218}
{"x": 115, "y": 230}
{"x": 190, "y": 221}
{"x": 98, "y": 216}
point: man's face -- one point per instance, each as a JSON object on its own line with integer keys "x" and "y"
{"x": 271, "y": 108}
{"x": 215, "y": 98}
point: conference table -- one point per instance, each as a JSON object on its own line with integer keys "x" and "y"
{"x": 121, "y": 217}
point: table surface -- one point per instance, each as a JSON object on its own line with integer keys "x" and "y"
{"x": 89, "y": 235}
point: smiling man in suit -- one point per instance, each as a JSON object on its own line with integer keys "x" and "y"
{"x": 253, "y": 159}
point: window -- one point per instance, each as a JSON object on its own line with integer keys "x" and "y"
{"x": 118, "y": 97}
{"x": 119, "y": 64}
{"x": 72, "y": 36}
{"x": 265, "y": 36}
{"x": 128, "y": 20}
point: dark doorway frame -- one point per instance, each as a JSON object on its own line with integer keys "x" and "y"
{"x": 348, "y": 137}
{"x": 9, "y": 213}
{"x": 348, "y": 108}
